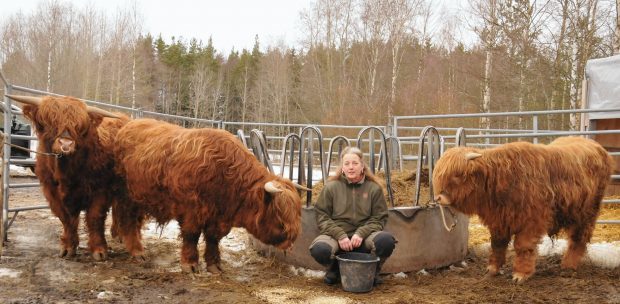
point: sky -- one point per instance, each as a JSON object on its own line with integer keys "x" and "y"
{"x": 229, "y": 22}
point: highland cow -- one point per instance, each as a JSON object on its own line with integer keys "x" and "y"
{"x": 207, "y": 181}
{"x": 527, "y": 190}
{"x": 75, "y": 166}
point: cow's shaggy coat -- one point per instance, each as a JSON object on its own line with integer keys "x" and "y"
{"x": 206, "y": 180}
{"x": 82, "y": 177}
{"x": 527, "y": 190}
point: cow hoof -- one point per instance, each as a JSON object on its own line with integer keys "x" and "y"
{"x": 139, "y": 258}
{"x": 214, "y": 269}
{"x": 100, "y": 255}
{"x": 190, "y": 268}
{"x": 567, "y": 265}
{"x": 67, "y": 253}
{"x": 519, "y": 278}
{"x": 492, "y": 271}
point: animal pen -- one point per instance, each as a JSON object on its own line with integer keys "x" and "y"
{"x": 307, "y": 153}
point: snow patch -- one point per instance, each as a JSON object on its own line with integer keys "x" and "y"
{"x": 169, "y": 231}
{"x": 5, "y": 272}
{"x": 19, "y": 171}
{"x": 400, "y": 275}
{"x": 234, "y": 241}
{"x": 551, "y": 247}
{"x": 423, "y": 272}
{"x": 105, "y": 295}
{"x": 308, "y": 273}
{"x": 605, "y": 255}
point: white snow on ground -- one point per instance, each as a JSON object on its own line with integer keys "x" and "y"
{"x": 605, "y": 255}
{"x": 423, "y": 272}
{"x": 169, "y": 231}
{"x": 308, "y": 273}
{"x": 400, "y": 275}
{"x": 235, "y": 240}
{"x": 551, "y": 247}
{"x": 5, "y": 272}
{"x": 19, "y": 171}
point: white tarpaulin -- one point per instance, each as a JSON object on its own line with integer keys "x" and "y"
{"x": 603, "y": 76}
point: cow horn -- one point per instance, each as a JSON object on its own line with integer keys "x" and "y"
{"x": 35, "y": 101}
{"x": 101, "y": 112}
{"x": 472, "y": 155}
{"x": 271, "y": 188}
{"x": 300, "y": 187}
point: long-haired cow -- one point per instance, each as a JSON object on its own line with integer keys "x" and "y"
{"x": 81, "y": 175}
{"x": 209, "y": 182}
{"x": 527, "y": 190}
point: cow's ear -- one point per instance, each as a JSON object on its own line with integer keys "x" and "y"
{"x": 30, "y": 112}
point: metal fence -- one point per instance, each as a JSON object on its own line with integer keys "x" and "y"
{"x": 405, "y": 128}
{"x": 401, "y": 142}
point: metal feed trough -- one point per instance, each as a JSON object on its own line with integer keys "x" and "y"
{"x": 423, "y": 238}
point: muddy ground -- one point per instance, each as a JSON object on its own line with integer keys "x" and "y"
{"x": 31, "y": 272}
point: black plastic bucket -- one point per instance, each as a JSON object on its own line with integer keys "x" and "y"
{"x": 357, "y": 271}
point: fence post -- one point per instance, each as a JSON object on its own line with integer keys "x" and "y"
{"x": 535, "y": 127}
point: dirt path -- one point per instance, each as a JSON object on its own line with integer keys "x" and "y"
{"x": 31, "y": 272}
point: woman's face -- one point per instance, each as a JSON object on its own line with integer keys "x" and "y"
{"x": 352, "y": 167}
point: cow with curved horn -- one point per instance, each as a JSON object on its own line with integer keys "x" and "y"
{"x": 75, "y": 166}
{"x": 527, "y": 190}
{"x": 207, "y": 181}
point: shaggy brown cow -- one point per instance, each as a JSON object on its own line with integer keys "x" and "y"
{"x": 209, "y": 182}
{"x": 527, "y": 190}
{"x": 81, "y": 176}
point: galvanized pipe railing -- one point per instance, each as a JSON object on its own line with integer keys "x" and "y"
{"x": 388, "y": 178}
{"x": 259, "y": 148}
{"x": 430, "y": 135}
{"x": 342, "y": 141}
{"x": 289, "y": 141}
{"x": 307, "y": 133}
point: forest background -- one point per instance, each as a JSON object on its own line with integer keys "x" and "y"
{"x": 360, "y": 63}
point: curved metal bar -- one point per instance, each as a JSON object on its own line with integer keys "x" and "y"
{"x": 241, "y": 137}
{"x": 337, "y": 139}
{"x": 393, "y": 142}
{"x": 302, "y": 138}
{"x": 259, "y": 148}
{"x": 289, "y": 138}
{"x": 388, "y": 178}
{"x": 430, "y": 155}
{"x": 461, "y": 138}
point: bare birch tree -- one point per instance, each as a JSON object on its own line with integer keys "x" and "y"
{"x": 330, "y": 25}
{"x": 47, "y": 27}
{"x": 375, "y": 35}
{"x": 400, "y": 20}
{"x": 488, "y": 33}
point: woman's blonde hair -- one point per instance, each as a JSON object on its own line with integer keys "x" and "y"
{"x": 355, "y": 151}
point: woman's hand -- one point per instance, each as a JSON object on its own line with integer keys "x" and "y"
{"x": 345, "y": 244}
{"x": 356, "y": 241}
